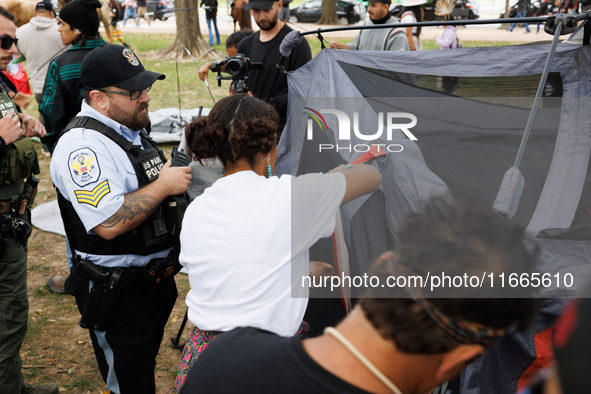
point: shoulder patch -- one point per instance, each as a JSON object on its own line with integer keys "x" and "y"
{"x": 94, "y": 196}
{"x": 84, "y": 167}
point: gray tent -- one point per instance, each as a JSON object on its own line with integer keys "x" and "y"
{"x": 470, "y": 106}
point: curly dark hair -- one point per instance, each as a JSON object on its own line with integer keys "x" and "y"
{"x": 454, "y": 238}
{"x": 238, "y": 127}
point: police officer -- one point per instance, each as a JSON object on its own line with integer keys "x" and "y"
{"x": 115, "y": 193}
{"x": 18, "y": 162}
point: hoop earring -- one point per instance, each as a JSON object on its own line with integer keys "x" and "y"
{"x": 269, "y": 174}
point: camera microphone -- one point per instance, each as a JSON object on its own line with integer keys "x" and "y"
{"x": 290, "y": 41}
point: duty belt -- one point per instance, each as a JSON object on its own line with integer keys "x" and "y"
{"x": 147, "y": 277}
{"x": 19, "y": 204}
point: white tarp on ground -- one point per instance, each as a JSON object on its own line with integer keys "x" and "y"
{"x": 167, "y": 123}
{"x": 47, "y": 217}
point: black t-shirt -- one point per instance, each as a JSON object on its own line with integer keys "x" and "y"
{"x": 249, "y": 360}
{"x": 270, "y": 84}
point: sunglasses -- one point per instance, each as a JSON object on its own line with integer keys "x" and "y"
{"x": 6, "y": 42}
{"x": 132, "y": 94}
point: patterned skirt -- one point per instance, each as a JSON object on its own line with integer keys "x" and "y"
{"x": 198, "y": 341}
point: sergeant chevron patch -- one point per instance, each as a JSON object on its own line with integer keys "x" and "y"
{"x": 94, "y": 196}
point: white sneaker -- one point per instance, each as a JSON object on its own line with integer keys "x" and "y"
{"x": 147, "y": 27}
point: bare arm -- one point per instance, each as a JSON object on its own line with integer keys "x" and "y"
{"x": 204, "y": 70}
{"x": 140, "y": 204}
{"x": 361, "y": 179}
{"x": 31, "y": 126}
{"x": 411, "y": 43}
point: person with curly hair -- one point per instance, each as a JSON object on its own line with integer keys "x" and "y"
{"x": 248, "y": 235}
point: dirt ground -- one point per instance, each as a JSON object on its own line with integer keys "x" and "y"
{"x": 56, "y": 349}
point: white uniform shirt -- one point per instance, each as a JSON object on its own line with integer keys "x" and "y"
{"x": 94, "y": 174}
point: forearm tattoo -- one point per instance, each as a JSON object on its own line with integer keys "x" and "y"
{"x": 133, "y": 206}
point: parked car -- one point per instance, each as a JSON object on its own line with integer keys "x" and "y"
{"x": 535, "y": 6}
{"x": 160, "y": 8}
{"x": 348, "y": 12}
{"x": 464, "y": 9}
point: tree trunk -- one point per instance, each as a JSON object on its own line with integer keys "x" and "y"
{"x": 329, "y": 13}
{"x": 506, "y": 9}
{"x": 188, "y": 32}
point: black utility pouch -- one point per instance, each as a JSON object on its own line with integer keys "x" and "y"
{"x": 21, "y": 159}
{"x": 150, "y": 275}
{"x": 158, "y": 269}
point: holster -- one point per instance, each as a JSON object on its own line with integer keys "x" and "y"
{"x": 15, "y": 228}
{"x": 101, "y": 301}
{"x": 108, "y": 282}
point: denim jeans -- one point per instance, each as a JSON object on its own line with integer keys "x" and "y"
{"x": 520, "y": 15}
{"x": 129, "y": 12}
{"x": 217, "y": 33}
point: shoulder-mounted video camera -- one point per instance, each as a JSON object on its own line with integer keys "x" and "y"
{"x": 238, "y": 67}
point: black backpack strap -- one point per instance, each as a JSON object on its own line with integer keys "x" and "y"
{"x": 146, "y": 139}
{"x": 587, "y": 33}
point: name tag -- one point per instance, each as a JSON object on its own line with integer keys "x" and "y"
{"x": 152, "y": 167}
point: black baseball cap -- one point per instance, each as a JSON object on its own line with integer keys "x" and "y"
{"x": 389, "y": 2}
{"x": 44, "y": 5}
{"x": 260, "y": 4}
{"x": 115, "y": 65}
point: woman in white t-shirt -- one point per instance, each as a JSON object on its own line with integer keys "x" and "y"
{"x": 248, "y": 235}
{"x": 412, "y": 11}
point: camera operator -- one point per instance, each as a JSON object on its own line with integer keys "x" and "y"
{"x": 231, "y": 47}
{"x": 270, "y": 84}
